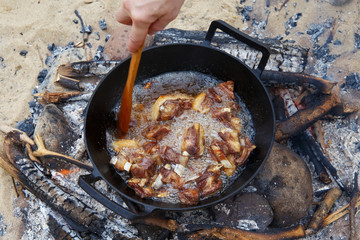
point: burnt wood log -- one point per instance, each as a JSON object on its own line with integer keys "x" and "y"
{"x": 75, "y": 212}
{"x": 69, "y": 83}
{"x": 331, "y": 196}
{"x": 229, "y": 233}
{"x": 277, "y": 78}
{"x": 304, "y": 118}
{"x": 303, "y": 146}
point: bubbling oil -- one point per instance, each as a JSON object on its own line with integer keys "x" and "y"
{"x": 190, "y": 83}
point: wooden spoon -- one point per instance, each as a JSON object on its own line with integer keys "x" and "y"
{"x": 123, "y": 120}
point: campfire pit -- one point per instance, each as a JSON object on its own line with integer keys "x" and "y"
{"x": 54, "y": 196}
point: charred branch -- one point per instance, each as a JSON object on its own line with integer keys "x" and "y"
{"x": 304, "y": 118}
{"x": 43, "y": 188}
{"x": 22, "y": 136}
{"x": 320, "y": 156}
{"x": 323, "y": 209}
{"x": 43, "y": 152}
{"x": 49, "y": 97}
{"x": 229, "y": 233}
{"x": 86, "y": 68}
{"x": 277, "y": 78}
{"x": 352, "y": 207}
{"x": 68, "y": 82}
{"x": 303, "y": 146}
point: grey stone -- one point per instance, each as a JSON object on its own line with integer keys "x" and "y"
{"x": 286, "y": 182}
{"x": 249, "y": 211}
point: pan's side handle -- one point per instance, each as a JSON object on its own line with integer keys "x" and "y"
{"x": 235, "y": 33}
{"x": 85, "y": 182}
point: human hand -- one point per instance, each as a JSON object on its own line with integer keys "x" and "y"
{"x": 146, "y": 17}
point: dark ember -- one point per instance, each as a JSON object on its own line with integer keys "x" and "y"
{"x": 244, "y": 12}
{"x": 102, "y": 24}
{"x": 75, "y": 21}
{"x": 42, "y": 75}
{"x": 51, "y": 47}
{"x": 292, "y": 21}
{"x": 99, "y": 53}
{"x": 23, "y": 52}
{"x": 107, "y": 37}
{"x": 26, "y": 126}
{"x": 357, "y": 40}
{"x": 315, "y": 31}
{"x": 337, "y": 42}
{"x": 352, "y": 81}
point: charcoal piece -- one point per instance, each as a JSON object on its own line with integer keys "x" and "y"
{"x": 57, "y": 135}
{"x": 26, "y": 126}
{"x": 42, "y": 75}
{"x": 352, "y": 81}
{"x": 51, "y": 47}
{"x": 102, "y": 24}
{"x": 337, "y": 42}
{"x": 357, "y": 40}
{"x": 107, "y": 37}
{"x": 285, "y": 181}
{"x": 249, "y": 211}
{"x": 23, "y": 52}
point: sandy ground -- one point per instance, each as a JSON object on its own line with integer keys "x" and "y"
{"x": 32, "y": 25}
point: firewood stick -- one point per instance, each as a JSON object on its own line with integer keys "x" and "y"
{"x": 355, "y": 195}
{"x": 322, "y": 211}
{"x": 228, "y": 233}
{"x": 68, "y": 82}
{"x": 304, "y": 146}
{"x": 43, "y": 152}
{"x": 31, "y": 155}
{"x": 340, "y": 213}
{"x": 304, "y": 118}
{"x": 23, "y": 136}
{"x": 55, "y": 97}
{"x": 288, "y": 78}
{"x": 168, "y": 224}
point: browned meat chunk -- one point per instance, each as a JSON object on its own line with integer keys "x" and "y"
{"x": 125, "y": 143}
{"x": 246, "y": 148}
{"x": 151, "y": 147}
{"x": 167, "y": 107}
{"x": 209, "y": 182}
{"x": 144, "y": 168}
{"x": 193, "y": 142}
{"x": 227, "y": 117}
{"x": 214, "y": 94}
{"x": 223, "y": 115}
{"x": 227, "y": 88}
{"x": 139, "y": 189}
{"x": 156, "y": 132}
{"x": 122, "y": 161}
{"x": 169, "y": 154}
{"x": 169, "y": 176}
{"x": 231, "y": 139}
{"x": 202, "y": 103}
{"x": 218, "y": 150}
{"x": 189, "y": 196}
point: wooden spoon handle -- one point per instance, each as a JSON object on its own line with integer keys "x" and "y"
{"x": 124, "y": 114}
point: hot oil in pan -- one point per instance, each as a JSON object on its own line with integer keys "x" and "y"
{"x": 190, "y": 83}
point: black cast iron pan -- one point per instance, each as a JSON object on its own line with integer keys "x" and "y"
{"x": 169, "y": 58}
